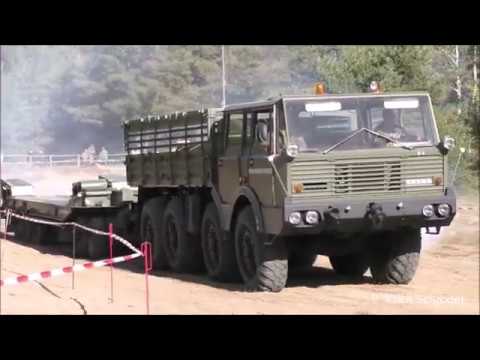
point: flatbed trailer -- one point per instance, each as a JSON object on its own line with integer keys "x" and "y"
{"x": 93, "y": 203}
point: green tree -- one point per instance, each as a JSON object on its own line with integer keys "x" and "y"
{"x": 353, "y": 68}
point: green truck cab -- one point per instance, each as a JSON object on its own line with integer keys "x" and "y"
{"x": 253, "y": 189}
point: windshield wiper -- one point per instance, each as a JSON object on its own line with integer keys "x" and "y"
{"x": 369, "y": 131}
{"x": 409, "y": 147}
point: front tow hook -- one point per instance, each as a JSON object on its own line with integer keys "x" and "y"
{"x": 375, "y": 216}
{"x": 331, "y": 215}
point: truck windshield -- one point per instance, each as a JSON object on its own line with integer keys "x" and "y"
{"x": 315, "y": 125}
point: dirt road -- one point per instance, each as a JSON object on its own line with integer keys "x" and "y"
{"x": 447, "y": 282}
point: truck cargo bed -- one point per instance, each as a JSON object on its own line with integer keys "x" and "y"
{"x": 171, "y": 150}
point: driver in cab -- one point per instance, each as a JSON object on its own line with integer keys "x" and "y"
{"x": 392, "y": 128}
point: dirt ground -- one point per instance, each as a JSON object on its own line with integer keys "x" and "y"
{"x": 447, "y": 280}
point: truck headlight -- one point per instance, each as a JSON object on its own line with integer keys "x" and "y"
{"x": 427, "y": 211}
{"x": 292, "y": 150}
{"x": 443, "y": 210}
{"x": 295, "y": 218}
{"x": 311, "y": 217}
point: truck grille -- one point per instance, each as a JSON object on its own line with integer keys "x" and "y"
{"x": 364, "y": 176}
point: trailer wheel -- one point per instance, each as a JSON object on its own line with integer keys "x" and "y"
{"x": 151, "y": 230}
{"x": 262, "y": 267}
{"x": 97, "y": 244}
{"x": 40, "y": 234}
{"x": 218, "y": 248}
{"x": 121, "y": 227}
{"x": 350, "y": 265}
{"x": 184, "y": 253}
{"x": 64, "y": 234}
{"x": 398, "y": 262}
{"x": 21, "y": 228}
{"x": 81, "y": 238}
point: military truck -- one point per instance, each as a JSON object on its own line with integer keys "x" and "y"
{"x": 250, "y": 191}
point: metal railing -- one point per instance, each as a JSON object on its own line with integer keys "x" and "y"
{"x": 53, "y": 160}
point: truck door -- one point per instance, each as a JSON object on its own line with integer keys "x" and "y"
{"x": 260, "y": 142}
{"x": 229, "y": 161}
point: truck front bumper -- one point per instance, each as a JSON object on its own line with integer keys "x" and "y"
{"x": 354, "y": 215}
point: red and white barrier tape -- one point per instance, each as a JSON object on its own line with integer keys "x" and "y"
{"x": 66, "y": 270}
{"x": 62, "y": 224}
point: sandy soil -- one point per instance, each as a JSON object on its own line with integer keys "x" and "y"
{"x": 447, "y": 282}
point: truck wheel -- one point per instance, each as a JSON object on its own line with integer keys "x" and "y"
{"x": 350, "y": 265}
{"x": 151, "y": 230}
{"x": 398, "y": 263}
{"x": 218, "y": 249}
{"x": 98, "y": 246}
{"x": 262, "y": 267}
{"x": 184, "y": 253}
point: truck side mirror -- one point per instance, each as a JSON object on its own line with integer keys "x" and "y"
{"x": 288, "y": 154}
{"x": 447, "y": 144}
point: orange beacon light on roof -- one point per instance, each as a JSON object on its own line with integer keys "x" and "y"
{"x": 319, "y": 89}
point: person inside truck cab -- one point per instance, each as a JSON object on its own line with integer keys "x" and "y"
{"x": 297, "y": 136}
{"x": 392, "y": 127}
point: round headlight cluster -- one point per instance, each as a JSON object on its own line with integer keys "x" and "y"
{"x": 428, "y": 211}
{"x": 443, "y": 210}
{"x": 295, "y": 218}
{"x": 311, "y": 217}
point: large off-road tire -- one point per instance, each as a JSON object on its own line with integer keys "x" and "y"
{"x": 218, "y": 248}
{"x": 262, "y": 267}
{"x": 398, "y": 262}
{"x": 183, "y": 252}
{"x": 350, "y": 265}
{"x": 151, "y": 231}
{"x": 98, "y": 245}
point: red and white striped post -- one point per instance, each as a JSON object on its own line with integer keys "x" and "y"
{"x": 146, "y": 249}
{"x": 110, "y": 242}
{"x": 1, "y": 252}
{"x": 74, "y": 247}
